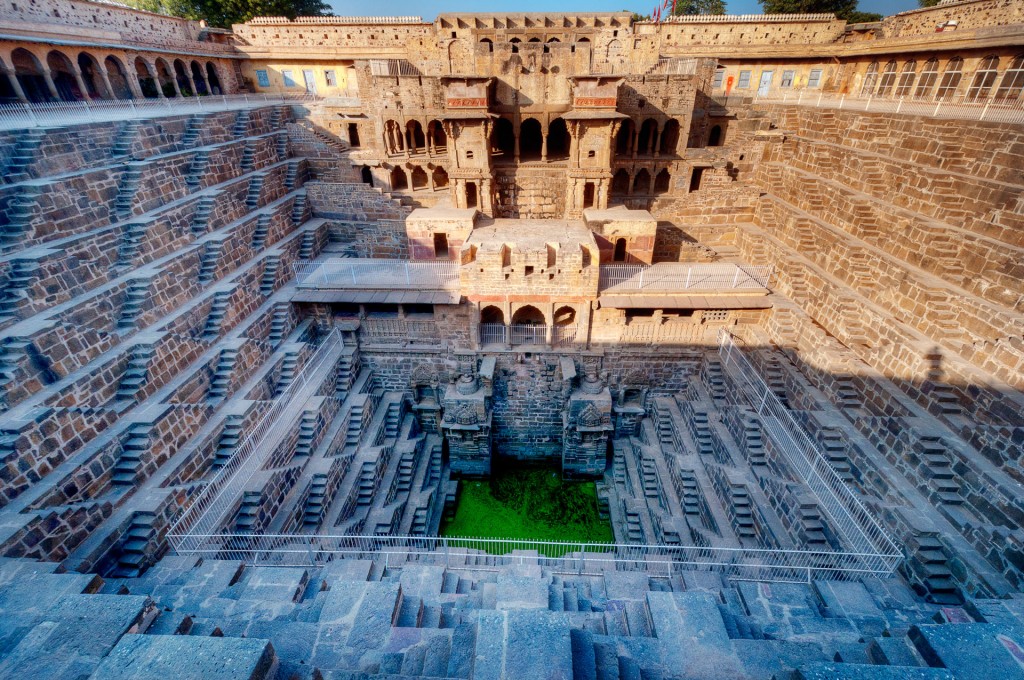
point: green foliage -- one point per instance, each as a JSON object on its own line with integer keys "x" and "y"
{"x": 684, "y": 7}
{"x": 224, "y": 13}
{"x": 843, "y": 9}
{"x": 863, "y": 17}
{"x": 927, "y": 3}
{"x": 528, "y": 503}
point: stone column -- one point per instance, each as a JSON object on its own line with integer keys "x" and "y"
{"x": 81, "y": 85}
{"x": 544, "y": 147}
{"x": 132, "y": 78}
{"x": 191, "y": 81}
{"x": 657, "y": 139}
{"x": 549, "y": 326}
{"x": 174, "y": 82}
{"x": 601, "y": 200}
{"x": 151, "y": 70}
{"x": 460, "y": 193}
{"x": 106, "y": 82}
{"x": 650, "y": 142}
{"x": 12, "y": 77}
{"x": 516, "y": 154}
{"x": 629, "y": 188}
{"x": 48, "y": 77}
{"x": 634, "y": 141}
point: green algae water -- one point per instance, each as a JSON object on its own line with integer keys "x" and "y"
{"x": 528, "y": 503}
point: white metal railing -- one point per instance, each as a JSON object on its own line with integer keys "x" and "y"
{"x": 344, "y": 274}
{"x": 563, "y": 556}
{"x": 393, "y": 67}
{"x": 206, "y": 514}
{"x": 17, "y": 115}
{"x": 858, "y": 527}
{"x": 565, "y": 336}
{"x": 683, "y": 66}
{"x": 668, "y": 276}
{"x": 493, "y": 333}
{"x": 524, "y": 334}
{"x": 997, "y": 110}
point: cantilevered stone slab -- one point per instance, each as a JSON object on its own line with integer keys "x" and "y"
{"x": 973, "y": 651}
{"x": 376, "y": 614}
{"x": 182, "y": 657}
{"x": 422, "y": 581}
{"x": 840, "y": 671}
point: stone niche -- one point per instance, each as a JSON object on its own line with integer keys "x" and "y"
{"x": 425, "y": 386}
{"x": 630, "y": 397}
{"x": 587, "y": 424}
{"x": 623, "y": 235}
{"x": 467, "y": 421}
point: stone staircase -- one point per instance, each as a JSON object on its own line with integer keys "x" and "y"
{"x": 135, "y": 297}
{"x": 129, "y": 463}
{"x": 221, "y": 381}
{"x": 136, "y": 373}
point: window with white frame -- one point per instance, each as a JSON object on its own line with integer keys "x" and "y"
{"x": 814, "y": 78}
{"x": 787, "y": 78}
{"x": 1012, "y": 85}
{"x": 289, "y": 79}
{"x": 331, "y": 78}
{"x": 744, "y": 80}
{"x": 263, "y": 78}
{"x": 719, "y": 77}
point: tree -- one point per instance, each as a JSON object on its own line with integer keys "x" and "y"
{"x": 844, "y": 9}
{"x": 684, "y": 7}
{"x": 927, "y": 3}
{"x": 224, "y": 13}
{"x": 859, "y": 17}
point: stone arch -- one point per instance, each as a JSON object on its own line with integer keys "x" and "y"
{"x": 888, "y": 78}
{"x": 534, "y": 39}
{"x": 398, "y": 179}
{"x": 662, "y": 181}
{"x": 414, "y": 136}
{"x": 531, "y": 139}
{"x": 926, "y": 80}
{"x": 438, "y": 138}
{"x": 564, "y": 316}
{"x": 528, "y": 315}
{"x": 558, "y": 140}
{"x": 199, "y": 79}
{"x": 867, "y": 87}
{"x": 92, "y": 76}
{"x": 613, "y": 50}
{"x": 492, "y": 314}
{"x": 366, "y": 175}
{"x": 181, "y": 78}
{"x": 489, "y": 43}
{"x": 213, "y": 79}
{"x": 460, "y": 54}
{"x": 624, "y": 138}
{"x": 503, "y": 139}
{"x": 642, "y": 182}
{"x": 394, "y": 139}
{"x": 715, "y": 136}
{"x": 147, "y": 83}
{"x": 418, "y": 177}
{"x": 164, "y": 78}
{"x": 440, "y": 176}
{"x": 514, "y": 42}
{"x": 669, "y": 142}
{"x": 619, "y": 253}
{"x": 29, "y": 73}
{"x": 62, "y": 72}
{"x": 7, "y": 91}
{"x": 645, "y": 142}
{"x": 620, "y": 182}
{"x": 118, "y": 78}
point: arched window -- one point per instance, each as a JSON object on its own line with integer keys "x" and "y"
{"x": 528, "y": 316}
{"x": 534, "y": 39}
{"x": 503, "y": 140}
{"x": 440, "y": 177}
{"x": 662, "y": 181}
{"x": 90, "y": 69}
{"x": 870, "y": 78}
{"x": 418, "y": 178}
{"x": 29, "y": 72}
{"x": 565, "y": 316}
{"x": 620, "y": 182}
{"x": 624, "y": 138}
{"x": 669, "y": 138}
{"x": 366, "y": 175}
{"x": 530, "y": 139}
{"x": 212, "y": 79}
{"x": 642, "y": 182}
{"x": 471, "y": 196}
{"x": 147, "y": 83}
{"x": 619, "y": 254}
{"x": 118, "y": 79}
{"x": 558, "y": 140}
{"x": 63, "y": 75}
{"x": 984, "y": 79}
{"x": 398, "y": 179}
{"x": 165, "y": 79}
{"x": 492, "y": 314}
{"x": 1012, "y": 84}
{"x": 182, "y": 78}
{"x": 198, "y": 78}
{"x": 906, "y": 80}
{"x": 394, "y": 138}
{"x": 437, "y": 135}
{"x": 950, "y": 80}
{"x": 645, "y": 141}
{"x": 417, "y": 142}
{"x": 926, "y": 82}
{"x": 489, "y": 43}
{"x": 515, "y": 44}
{"x": 888, "y": 79}
{"x": 715, "y": 136}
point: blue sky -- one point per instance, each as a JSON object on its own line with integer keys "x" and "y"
{"x": 428, "y": 10}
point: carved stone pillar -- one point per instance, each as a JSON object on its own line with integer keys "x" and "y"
{"x": 81, "y": 85}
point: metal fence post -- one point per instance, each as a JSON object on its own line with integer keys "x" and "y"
{"x": 985, "y": 110}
